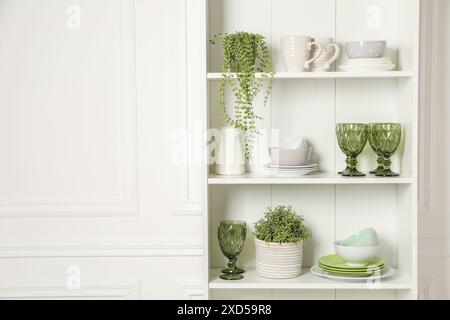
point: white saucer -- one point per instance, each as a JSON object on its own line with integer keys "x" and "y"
{"x": 305, "y": 166}
{"x": 367, "y": 67}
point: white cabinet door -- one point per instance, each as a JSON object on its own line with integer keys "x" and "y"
{"x": 100, "y": 196}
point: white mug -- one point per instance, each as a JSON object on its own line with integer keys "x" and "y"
{"x": 296, "y": 52}
{"x": 330, "y": 53}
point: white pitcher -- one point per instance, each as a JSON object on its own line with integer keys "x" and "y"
{"x": 229, "y": 152}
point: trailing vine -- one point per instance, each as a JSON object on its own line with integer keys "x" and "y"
{"x": 245, "y": 55}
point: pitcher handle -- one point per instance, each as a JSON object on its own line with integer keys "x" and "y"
{"x": 213, "y": 140}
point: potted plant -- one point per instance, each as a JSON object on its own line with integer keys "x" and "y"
{"x": 247, "y": 66}
{"x": 279, "y": 243}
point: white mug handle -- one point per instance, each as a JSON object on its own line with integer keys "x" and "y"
{"x": 319, "y": 53}
{"x": 337, "y": 53}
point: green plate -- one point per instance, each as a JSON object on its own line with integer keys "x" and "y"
{"x": 352, "y": 270}
{"x": 349, "y": 273}
{"x": 355, "y": 275}
{"x": 343, "y": 272}
{"x": 335, "y": 262}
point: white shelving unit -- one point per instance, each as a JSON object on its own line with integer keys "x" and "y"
{"x": 310, "y": 105}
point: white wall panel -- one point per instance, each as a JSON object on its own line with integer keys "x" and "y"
{"x": 433, "y": 161}
{"x": 97, "y": 126}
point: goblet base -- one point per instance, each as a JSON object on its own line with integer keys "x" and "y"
{"x": 352, "y": 173}
{"x": 387, "y": 173}
{"x": 236, "y": 270}
{"x": 378, "y": 170}
{"x": 231, "y": 276}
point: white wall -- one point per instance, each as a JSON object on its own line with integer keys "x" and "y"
{"x": 91, "y": 106}
{"x": 434, "y": 203}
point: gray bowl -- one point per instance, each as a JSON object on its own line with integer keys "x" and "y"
{"x": 365, "y": 49}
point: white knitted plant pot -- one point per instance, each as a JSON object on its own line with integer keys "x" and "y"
{"x": 278, "y": 261}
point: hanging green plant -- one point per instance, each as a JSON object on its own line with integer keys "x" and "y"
{"x": 245, "y": 55}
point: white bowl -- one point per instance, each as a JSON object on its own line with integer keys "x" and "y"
{"x": 356, "y": 256}
{"x": 365, "y": 49}
{"x": 289, "y": 157}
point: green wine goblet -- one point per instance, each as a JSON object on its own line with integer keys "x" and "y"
{"x": 232, "y": 236}
{"x": 380, "y": 159}
{"x": 386, "y": 138}
{"x": 352, "y": 138}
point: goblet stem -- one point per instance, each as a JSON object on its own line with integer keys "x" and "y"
{"x": 231, "y": 265}
{"x": 351, "y": 170}
{"x": 236, "y": 270}
{"x": 387, "y": 172}
{"x": 380, "y": 165}
{"x": 231, "y": 273}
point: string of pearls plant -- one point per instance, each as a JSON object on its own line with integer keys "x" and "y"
{"x": 245, "y": 55}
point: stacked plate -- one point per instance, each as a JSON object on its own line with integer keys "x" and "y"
{"x": 333, "y": 267}
{"x": 368, "y": 64}
{"x": 334, "y": 264}
{"x": 291, "y": 170}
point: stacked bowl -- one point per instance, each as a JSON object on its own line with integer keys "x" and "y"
{"x": 366, "y": 56}
{"x": 296, "y": 52}
{"x": 355, "y": 257}
{"x": 292, "y": 162}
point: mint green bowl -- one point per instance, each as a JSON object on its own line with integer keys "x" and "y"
{"x": 364, "y": 238}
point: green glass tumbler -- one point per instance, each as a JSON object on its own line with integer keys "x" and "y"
{"x": 380, "y": 160}
{"x": 386, "y": 139}
{"x": 352, "y": 138}
{"x": 232, "y": 236}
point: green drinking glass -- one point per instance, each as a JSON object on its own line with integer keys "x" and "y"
{"x": 232, "y": 236}
{"x": 352, "y": 138}
{"x": 380, "y": 160}
{"x": 386, "y": 139}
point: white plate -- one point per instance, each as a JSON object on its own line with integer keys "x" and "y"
{"x": 364, "y": 68}
{"x": 272, "y": 172}
{"x": 292, "y": 171}
{"x": 290, "y": 174}
{"x": 306, "y": 166}
{"x": 316, "y": 270}
{"x": 373, "y": 60}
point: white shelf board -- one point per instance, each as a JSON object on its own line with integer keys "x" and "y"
{"x": 331, "y": 75}
{"x": 314, "y": 179}
{"x": 306, "y": 281}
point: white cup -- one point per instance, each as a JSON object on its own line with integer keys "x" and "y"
{"x": 296, "y": 52}
{"x": 330, "y": 53}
